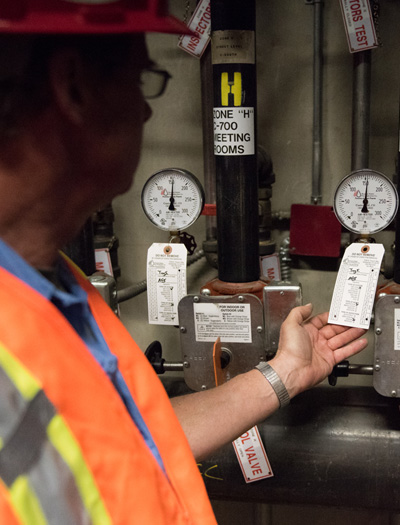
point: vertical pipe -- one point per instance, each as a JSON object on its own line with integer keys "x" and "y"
{"x": 396, "y": 270}
{"x": 317, "y": 96}
{"x": 361, "y": 110}
{"x": 234, "y": 72}
{"x": 208, "y": 154}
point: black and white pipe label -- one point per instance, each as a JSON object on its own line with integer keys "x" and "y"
{"x": 234, "y": 131}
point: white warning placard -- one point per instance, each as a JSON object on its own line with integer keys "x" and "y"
{"x": 234, "y": 131}
{"x": 355, "y": 287}
{"x": 166, "y": 282}
{"x": 231, "y": 322}
{"x": 252, "y": 457}
{"x": 359, "y": 25}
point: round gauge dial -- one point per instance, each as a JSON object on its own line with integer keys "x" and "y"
{"x": 366, "y": 202}
{"x": 173, "y": 199}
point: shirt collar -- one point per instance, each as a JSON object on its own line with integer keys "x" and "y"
{"x": 16, "y": 265}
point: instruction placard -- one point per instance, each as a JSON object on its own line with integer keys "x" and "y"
{"x": 354, "y": 292}
{"x": 166, "y": 282}
{"x": 229, "y": 321}
{"x": 234, "y": 131}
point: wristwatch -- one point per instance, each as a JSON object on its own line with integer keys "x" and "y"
{"x": 275, "y": 381}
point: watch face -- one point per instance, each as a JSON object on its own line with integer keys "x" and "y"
{"x": 173, "y": 199}
{"x": 365, "y": 202}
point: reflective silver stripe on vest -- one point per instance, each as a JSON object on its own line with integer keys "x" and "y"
{"x": 27, "y": 452}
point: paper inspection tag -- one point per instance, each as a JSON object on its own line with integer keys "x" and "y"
{"x": 354, "y": 292}
{"x": 166, "y": 282}
{"x": 252, "y": 457}
{"x": 200, "y": 24}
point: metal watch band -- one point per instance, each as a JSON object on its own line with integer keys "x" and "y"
{"x": 275, "y": 381}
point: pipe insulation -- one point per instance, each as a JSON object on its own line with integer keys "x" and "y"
{"x": 235, "y": 143}
{"x": 332, "y": 446}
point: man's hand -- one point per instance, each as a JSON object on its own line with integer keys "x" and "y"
{"x": 309, "y": 348}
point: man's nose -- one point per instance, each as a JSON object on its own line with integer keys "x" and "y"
{"x": 147, "y": 112}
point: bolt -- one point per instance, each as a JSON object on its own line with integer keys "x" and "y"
{"x": 259, "y": 329}
{"x": 114, "y": 294}
{"x": 282, "y": 293}
{"x": 205, "y": 291}
{"x": 186, "y": 364}
{"x": 394, "y": 393}
{"x": 196, "y": 299}
{"x": 378, "y": 331}
{"x": 377, "y": 368}
{"x": 397, "y": 299}
{"x": 240, "y": 298}
{"x": 203, "y": 387}
{"x": 183, "y": 329}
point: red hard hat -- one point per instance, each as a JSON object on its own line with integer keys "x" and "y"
{"x": 87, "y": 17}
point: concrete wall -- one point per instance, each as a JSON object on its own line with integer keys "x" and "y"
{"x": 173, "y": 137}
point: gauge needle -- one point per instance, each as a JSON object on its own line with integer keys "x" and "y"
{"x": 171, "y": 199}
{"x": 365, "y": 200}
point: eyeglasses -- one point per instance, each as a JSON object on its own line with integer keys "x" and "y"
{"x": 153, "y": 82}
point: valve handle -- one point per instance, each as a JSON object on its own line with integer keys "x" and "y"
{"x": 339, "y": 370}
{"x": 154, "y": 355}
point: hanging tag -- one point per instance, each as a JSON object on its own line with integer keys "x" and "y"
{"x": 200, "y": 24}
{"x": 252, "y": 457}
{"x": 359, "y": 25}
{"x": 103, "y": 261}
{"x": 354, "y": 292}
{"x": 249, "y": 448}
{"x": 166, "y": 282}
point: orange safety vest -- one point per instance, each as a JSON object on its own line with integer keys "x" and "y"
{"x": 86, "y": 425}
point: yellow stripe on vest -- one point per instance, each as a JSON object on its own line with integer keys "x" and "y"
{"x": 22, "y": 496}
{"x": 26, "y": 503}
{"x": 66, "y": 445}
{"x": 23, "y": 380}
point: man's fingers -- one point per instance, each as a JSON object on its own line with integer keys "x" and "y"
{"x": 347, "y": 351}
{"x": 345, "y": 336}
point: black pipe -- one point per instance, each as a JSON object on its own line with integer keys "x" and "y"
{"x": 396, "y": 263}
{"x": 336, "y": 447}
{"x": 235, "y": 153}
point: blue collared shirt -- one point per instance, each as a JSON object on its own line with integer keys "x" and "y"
{"x": 73, "y": 304}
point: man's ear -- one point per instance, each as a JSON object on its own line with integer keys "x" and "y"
{"x": 69, "y": 84}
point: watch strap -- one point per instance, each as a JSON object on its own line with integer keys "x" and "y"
{"x": 275, "y": 381}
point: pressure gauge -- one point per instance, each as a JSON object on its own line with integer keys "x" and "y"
{"x": 172, "y": 199}
{"x": 366, "y": 202}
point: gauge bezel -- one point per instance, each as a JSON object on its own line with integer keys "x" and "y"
{"x": 368, "y": 173}
{"x": 181, "y": 173}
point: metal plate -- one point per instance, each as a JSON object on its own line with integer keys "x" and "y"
{"x": 386, "y": 378}
{"x": 237, "y": 319}
{"x": 279, "y": 299}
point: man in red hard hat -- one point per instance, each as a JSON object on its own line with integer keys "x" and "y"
{"x": 88, "y": 434}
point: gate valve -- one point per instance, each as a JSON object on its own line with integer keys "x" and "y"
{"x": 339, "y": 370}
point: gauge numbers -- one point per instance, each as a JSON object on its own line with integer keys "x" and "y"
{"x": 366, "y": 202}
{"x": 173, "y": 199}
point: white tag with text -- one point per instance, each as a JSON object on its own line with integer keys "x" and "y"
{"x": 166, "y": 282}
{"x": 354, "y": 292}
{"x": 253, "y": 459}
{"x": 359, "y": 25}
{"x": 200, "y": 24}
